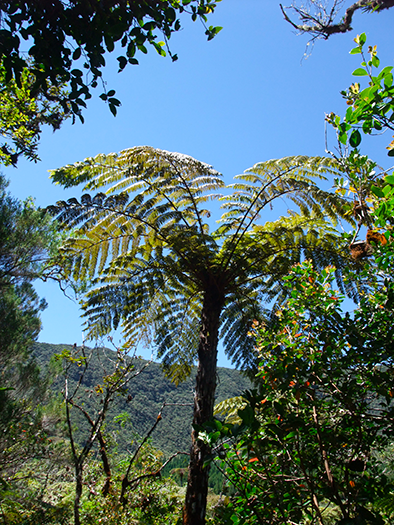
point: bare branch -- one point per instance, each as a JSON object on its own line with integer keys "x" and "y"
{"x": 322, "y": 25}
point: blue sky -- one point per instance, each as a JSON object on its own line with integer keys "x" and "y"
{"x": 247, "y": 96}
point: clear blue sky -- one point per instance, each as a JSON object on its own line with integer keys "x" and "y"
{"x": 247, "y": 96}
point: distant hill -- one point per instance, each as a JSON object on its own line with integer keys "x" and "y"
{"x": 146, "y": 392}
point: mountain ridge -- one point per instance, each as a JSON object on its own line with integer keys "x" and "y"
{"x": 139, "y": 407}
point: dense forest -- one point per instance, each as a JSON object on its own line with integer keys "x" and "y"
{"x": 159, "y": 246}
{"x": 141, "y": 402}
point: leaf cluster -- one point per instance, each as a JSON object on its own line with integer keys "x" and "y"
{"x": 307, "y": 441}
{"x": 370, "y": 109}
{"x": 68, "y": 41}
{"x": 23, "y": 112}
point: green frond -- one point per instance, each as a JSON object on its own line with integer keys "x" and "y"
{"x": 143, "y": 249}
{"x": 292, "y": 178}
{"x": 299, "y": 165}
{"x": 228, "y": 409}
{"x": 386, "y": 504}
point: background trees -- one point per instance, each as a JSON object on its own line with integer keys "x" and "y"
{"x": 27, "y": 237}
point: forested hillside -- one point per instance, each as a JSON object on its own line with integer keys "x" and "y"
{"x": 145, "y": 396}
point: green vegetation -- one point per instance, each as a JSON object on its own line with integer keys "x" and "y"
{"x": 146, "y": 260}
{"x": 23, "y": 112}
{"x": 45, "y": 85}
{"x": 90, "y": 436}
{"x": 370, "y": 109}
{"x": 116, "y": 451}
{"x": 144, "y": 252}
{"x": 311, "y": 443}
{"x": 27, "y": 236}
{"x": 132, "y": 415}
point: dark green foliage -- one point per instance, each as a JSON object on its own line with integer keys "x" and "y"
{"x": 309, "y": 442}
{"x": 20, "y": 418}
{"x": 68, "y": 42}
{"x": 23, "y": 113}
{"x": 26, "y": 239}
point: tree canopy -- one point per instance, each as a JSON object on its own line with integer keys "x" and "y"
{"x": 52, "y": 54}
{"x": 23, "y": 112}
{"x": 67, "y": 41}
{"x": 156, "y": 201}
{"x": 26, "y": 238}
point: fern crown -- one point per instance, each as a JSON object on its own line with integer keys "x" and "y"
{"x": 143, "y": 248}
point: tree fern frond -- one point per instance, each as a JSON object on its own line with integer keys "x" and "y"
{"x": 144, "y": 249}
{"x": 299, "y": 165}
{"x": 228, "y": 409}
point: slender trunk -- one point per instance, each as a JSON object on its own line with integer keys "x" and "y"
{"x": 106, "y": 466}
{"x": 78, "y": 492}
{"x": 204, "y": 399}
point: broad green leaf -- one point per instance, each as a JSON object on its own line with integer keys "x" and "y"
{"x": 360, "y": 72}
{"x": 375, "y": 61}
{"x": 377, "y": 191}
{"x": 355, "y": 138}
{"x": 342, "y": 137}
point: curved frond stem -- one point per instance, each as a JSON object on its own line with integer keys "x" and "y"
{"x": 167, "y": 198}
{"x": 239, "y": 238}
{"x": 191, "y": 196}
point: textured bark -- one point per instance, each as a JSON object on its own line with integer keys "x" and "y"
{"x": 204, "y": 399}
{"x": 78, "y": 492}
{"x": 106, "y": 466}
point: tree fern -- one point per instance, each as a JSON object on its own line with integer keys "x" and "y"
{"x": 143, "y": 249}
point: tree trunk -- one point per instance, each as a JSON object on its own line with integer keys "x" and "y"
{"x": 204, "y": 399}
{"x": 78, "y": 491}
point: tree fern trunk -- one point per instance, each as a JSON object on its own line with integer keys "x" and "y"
{"x": 204, "y": 398}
